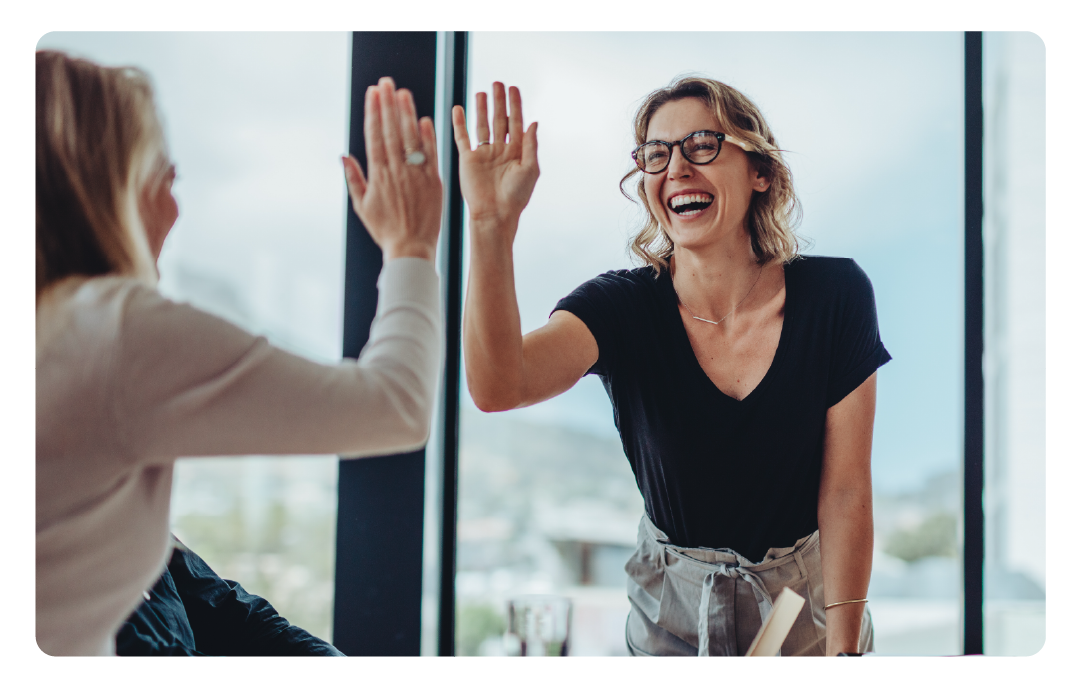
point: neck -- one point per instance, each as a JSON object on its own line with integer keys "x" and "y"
{"x": 711, "y": 282}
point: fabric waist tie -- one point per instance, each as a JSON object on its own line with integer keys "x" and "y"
{"x": 722, "y": 641}
{"x": 717, "y": 597}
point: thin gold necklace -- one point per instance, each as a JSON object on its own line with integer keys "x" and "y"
{"x": 702, "y": 319}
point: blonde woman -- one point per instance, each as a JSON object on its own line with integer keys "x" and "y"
{"x": 742, "y": 376}
{"x": 127, "y": 381}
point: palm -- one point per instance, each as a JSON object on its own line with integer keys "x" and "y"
{"x": 497, "y": 183}
{"x": 400, "y": 203}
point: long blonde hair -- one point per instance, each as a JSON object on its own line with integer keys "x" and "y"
{"x": 99, "y": 142}
{"x": 773, "y": 214}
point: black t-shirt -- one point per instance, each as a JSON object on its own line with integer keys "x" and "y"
{"x": 716, "y": 472}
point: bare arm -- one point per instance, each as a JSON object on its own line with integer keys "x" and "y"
{"x": 844, "y": 514}
{"x": 505, "y": 370}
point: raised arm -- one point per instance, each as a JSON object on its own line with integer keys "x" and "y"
{"x": 503, "y": 369}
{"x": 845, "y": 522}
{"x": 191, "y": 384}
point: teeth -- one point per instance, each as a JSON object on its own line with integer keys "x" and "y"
{"x": 688, "y": 198}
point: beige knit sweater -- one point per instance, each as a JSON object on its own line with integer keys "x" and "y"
{"x": 128, "y": 381}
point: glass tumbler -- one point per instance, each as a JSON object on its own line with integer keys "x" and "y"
{"x": 538, "y": 625}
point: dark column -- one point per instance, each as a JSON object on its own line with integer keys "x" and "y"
{"x": 452, "y": 270}
{"x": 974, "y": 409}
{"x": 377, "y": 577}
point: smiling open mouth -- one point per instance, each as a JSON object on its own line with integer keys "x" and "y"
{"x": 689, "y": 203}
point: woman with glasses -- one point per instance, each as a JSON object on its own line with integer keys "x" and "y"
{"x": 742, "y": 375}
{"x": 128, "y": 381}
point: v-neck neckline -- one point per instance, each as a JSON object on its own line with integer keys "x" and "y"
{"x": 685, "y": 341}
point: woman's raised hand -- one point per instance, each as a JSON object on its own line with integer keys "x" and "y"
{"x": 497, "y": 176}
{"x": 401, "y": 200}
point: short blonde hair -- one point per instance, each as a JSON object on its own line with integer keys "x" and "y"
{"x": 773, "y": 214}
{"x": 99, "y": 142}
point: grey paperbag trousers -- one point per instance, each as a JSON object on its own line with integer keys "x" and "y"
{"x": 712, "y": 602}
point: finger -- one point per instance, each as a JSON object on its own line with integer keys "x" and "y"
{"x": 388, "y": 111}
{"x": 461, "y": 136}
{"x": 373, "y": 129}
{"x": 483, "y": 136}
{"x": 499, "y": 113}
{"x": 407, "y": 116}
{"x": 529, "y": 146}
{"x": 515, "y": 97}
{"x": 354, "y": 178}
{"x": 427, "y": 144}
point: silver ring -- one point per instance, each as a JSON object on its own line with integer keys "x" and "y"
{"x": 483, "y": 143}
{"x": 415, "y": 157}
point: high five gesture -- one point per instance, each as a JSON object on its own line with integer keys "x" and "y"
{"x": 401, "y": 200}
{"x": 497, "y": 176}
{"x": 504, "y": 370}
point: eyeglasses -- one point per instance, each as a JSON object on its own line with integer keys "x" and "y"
{"x": 698, "y": 148}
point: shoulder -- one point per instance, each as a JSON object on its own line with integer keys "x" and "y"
{"x": 84, "y": 292}
{"x": 83, "y": 309}
{"x": 616, "y": 284}
{"x": 610, "y": 302}
{"x": 125, "y": 324}
{"x": 826, "y": 270}
{"x": 828, "y": 276}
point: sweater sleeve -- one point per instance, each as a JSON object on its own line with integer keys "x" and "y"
{"x": 191, "y": 384}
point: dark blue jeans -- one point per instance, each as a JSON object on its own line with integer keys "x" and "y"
{"x": 193, "y": 612}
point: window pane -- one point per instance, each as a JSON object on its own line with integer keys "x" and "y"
{"x": 874, "y": 125}
{"x": 1014, "y": 251}
{"x": 256, "y": 124}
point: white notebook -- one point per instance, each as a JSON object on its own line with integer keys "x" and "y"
{"x": 786, "y": 608}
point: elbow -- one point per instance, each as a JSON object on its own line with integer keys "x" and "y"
{"x": 490, "y": 400}
{"x": 417, "y": 431}
{"x": 411, "y": 402}
{"x": 486, "y": 405}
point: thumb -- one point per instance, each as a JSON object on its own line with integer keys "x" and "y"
{"x": 529, "y": 146}
{"x": 354, "y": 178}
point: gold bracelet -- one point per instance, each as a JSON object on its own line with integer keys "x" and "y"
{"x": 841, "y": 603}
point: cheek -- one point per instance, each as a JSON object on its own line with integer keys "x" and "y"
{"x": 172, "y": 209}
{"x": 164, "y": 209}
{"x": 656, "y": 205}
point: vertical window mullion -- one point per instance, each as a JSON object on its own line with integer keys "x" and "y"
{"x": 973, "y": 557}
{"x": 379, "y": 554}
{"x": 452, "y": 275}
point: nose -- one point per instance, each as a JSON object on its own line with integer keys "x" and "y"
{"x": 678, "y": 166}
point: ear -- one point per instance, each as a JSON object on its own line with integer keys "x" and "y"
{"x": 760, "y": 181}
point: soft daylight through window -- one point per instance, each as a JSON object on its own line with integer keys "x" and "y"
{"x": 256, "y": 124}
{"x": 873, "y": 124}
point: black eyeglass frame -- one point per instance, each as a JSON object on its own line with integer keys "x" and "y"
{"x": 721, "y": 138}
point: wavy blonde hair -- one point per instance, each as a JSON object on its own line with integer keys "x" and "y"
{"x": 99, "y": 143}
{"x": 773, "y": 214}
